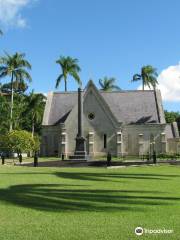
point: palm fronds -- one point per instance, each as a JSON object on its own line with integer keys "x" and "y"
{"x": 14, "y": 66}
{"x": 69, "y": 66}
{"x": 148, "y": 76}
{"x": 108, "y": 84}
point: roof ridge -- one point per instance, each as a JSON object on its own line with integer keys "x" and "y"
{"x": 125, "y": 91}
{"x": 69, "y": 92}
{"x": 121, "y": 91}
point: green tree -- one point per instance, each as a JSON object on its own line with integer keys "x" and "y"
{"x": 18, "y": 109}
{"x": 19, "y": 87}
{"x": 16, "y": 67}
{"x": 37, "y": 143}
{"x": 69, "y": 66}
{"x": 171, "y": 116}
{"x": 19, "y": 120}
{"x": 4, "y": 145}
{"x": 22, "y": 114}
{"x": 148, "y": 76}
{"x": 20, "y": 141}
{"x": 34, "y": 109}
{"x": 108, "y": 84}
{"x": 4, "y": 114}
{"x": 1, "y": 32}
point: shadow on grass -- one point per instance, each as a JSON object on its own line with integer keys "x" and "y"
{"x": 112, "y": 176}
{"x": 60, "y": 198}
{"x": 94, "y": 176}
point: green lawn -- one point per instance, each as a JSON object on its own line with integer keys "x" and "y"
{"x": 88, "y": 203}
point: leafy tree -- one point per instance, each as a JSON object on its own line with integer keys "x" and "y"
{"x": 19, "y": 120}
{"x": 19, "y": 106}
{"x": 4, "y": 114}
{"x": 23, "y": 111}
{"x": 69, "y": 66}
{"x": 108, "y": 84}
{"x": 16, "y": 67}
{"x": 178, "y": 123}
{"x": 37, "y": 143}
{"x": 148, "y": 76}
{"x": 19, "y": 87}
{"x": 34, "y": 109}
{"x": 4, "y": 143}
{"x": 171, "y": 116}
{"x": 18, "y": 109}
{"x": 20, "y": 141}
{"x": 1, "y": 32}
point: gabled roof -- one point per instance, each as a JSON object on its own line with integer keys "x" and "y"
{"x": 58, "y": 106}
{"x": 133, "y": 106}
{"x": 128, "y": 107}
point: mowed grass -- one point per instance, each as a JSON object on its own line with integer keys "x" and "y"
{"x": 88, "y": 203}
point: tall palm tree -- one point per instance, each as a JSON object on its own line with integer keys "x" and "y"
{"x": 108, "y": 84}
{"x": 69, "y": 66}
{"x": 15, "y": 67}
{"x": 35, "y": 108}
{"x": 148, "y": 76}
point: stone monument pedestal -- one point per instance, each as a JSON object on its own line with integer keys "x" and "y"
{"x": 80, "y": 146}
{"x": 80, "y": 151}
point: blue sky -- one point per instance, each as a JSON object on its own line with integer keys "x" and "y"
{"x": 110, "y": 38}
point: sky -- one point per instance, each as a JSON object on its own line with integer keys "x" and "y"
{"x": 113, "y": 38}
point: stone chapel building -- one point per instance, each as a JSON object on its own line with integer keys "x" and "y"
{"x": 120, "y": 122}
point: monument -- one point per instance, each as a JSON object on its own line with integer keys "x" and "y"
{"x": 80, "y": 150}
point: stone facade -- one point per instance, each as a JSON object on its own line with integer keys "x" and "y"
{"x": 174, "y": 145}
{"x": 104, "y": 129}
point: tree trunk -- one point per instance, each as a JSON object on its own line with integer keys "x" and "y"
{"x": 65, "y": 82}
{"x": 12, "y": 102}
{"x": 143, "y": 85}
{"x": 33, "y": 129}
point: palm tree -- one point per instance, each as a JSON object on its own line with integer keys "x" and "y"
{"x": 16, "y": 67}
{"x": 35, "y": 109}
{"x": 69, "y": 66}
{"x": 108, "y": 84}
{"x": 148, "y": 76}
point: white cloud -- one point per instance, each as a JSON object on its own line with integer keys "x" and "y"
{"x": 10, "y": 12}
{"x": 169, "y": 84}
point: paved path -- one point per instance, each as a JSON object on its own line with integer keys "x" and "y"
{"x": 93, "y": 163}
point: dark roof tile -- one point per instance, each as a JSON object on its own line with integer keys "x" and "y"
{"x": 127, "y": 106}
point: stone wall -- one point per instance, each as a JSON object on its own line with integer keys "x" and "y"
{"x": 50, "y": 141}
{"x": 138, "y": 139}
{"x": 174, "y": 145}
{"x": 127, "y": 140}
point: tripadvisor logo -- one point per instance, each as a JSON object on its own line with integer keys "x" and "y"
{"x": 139, "y": 231}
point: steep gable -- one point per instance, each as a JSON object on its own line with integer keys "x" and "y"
{"x": 96, "y": 98}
